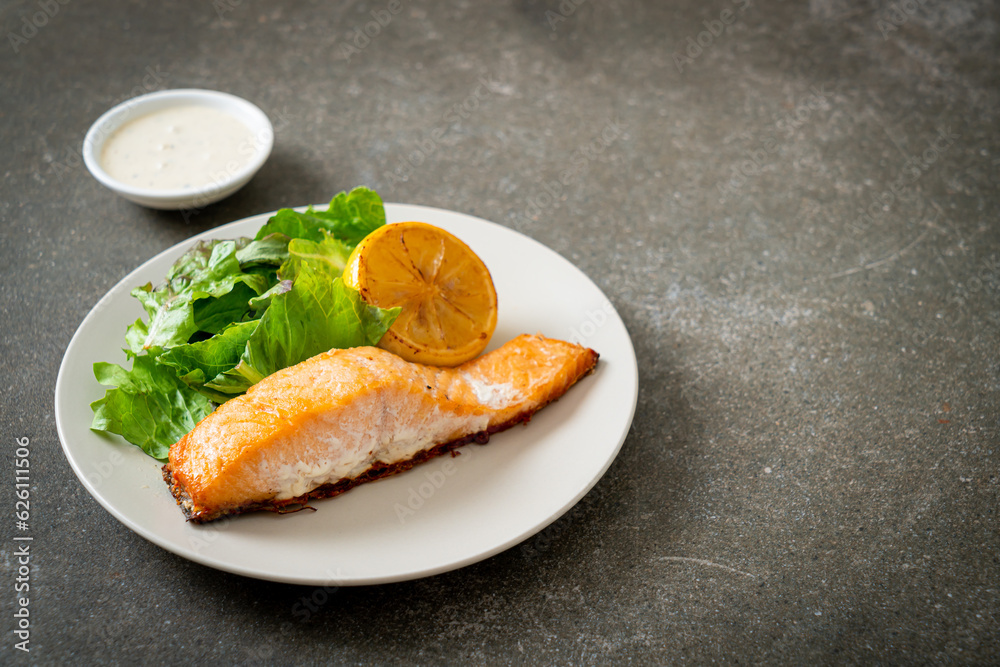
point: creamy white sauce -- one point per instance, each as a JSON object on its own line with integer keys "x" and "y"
{"x": 178, "y": 148}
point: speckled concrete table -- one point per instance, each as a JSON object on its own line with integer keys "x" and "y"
{"x": 794, "y": 209}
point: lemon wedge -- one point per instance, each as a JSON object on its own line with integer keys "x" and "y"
{"x": 449, "y": 304}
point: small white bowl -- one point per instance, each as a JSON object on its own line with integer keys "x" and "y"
{"x": 262, "y": 136}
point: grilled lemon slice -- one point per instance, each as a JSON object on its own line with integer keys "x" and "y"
{"x": 449, "y": 304}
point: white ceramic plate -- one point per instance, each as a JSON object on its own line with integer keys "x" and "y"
{"x": 439, "y": 516}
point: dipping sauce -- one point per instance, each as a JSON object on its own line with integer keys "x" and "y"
{"x": 183, "y": 147}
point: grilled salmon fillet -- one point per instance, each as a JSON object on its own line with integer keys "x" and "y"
{"x": 344, "y": 417}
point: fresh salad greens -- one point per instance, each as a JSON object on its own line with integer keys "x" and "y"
{"x": 231, "y": 312}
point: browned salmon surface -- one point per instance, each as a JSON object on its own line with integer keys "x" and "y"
{"x": 348, "y": 416}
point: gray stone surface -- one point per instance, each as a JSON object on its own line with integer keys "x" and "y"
{"x": 812, "y": 470}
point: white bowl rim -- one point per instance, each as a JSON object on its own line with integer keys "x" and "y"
{"x": 93, "y": 142}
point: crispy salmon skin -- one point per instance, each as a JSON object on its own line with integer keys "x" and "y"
{"x": 345, "y": 417}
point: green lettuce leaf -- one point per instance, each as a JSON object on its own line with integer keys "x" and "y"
{"x": 350, "y": 217}
{"x": 330, "y": 253}
{"x": 270, "y": 250}
{"x": 213, "y": 315}
{"x": 210, "y": 270}
{"x": 148, "y": 406}
{"x": 319, "y": 313}
{"x": 260, "y": 303}
{"x": 135, "y": 336}
{"x": 337, "y": 318}
{"x": 197, "y": 364}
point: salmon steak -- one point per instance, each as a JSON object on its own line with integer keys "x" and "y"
{"x": 346, "y": 417}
